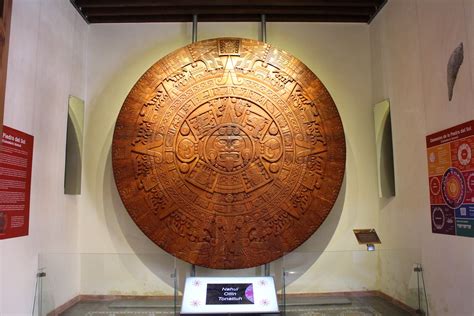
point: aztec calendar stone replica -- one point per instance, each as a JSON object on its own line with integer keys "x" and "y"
{"x": 228, "y": 153}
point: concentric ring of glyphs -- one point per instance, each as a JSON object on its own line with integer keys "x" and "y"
{"x": 223, "y": 157}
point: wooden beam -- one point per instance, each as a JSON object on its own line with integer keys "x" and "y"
{"x": 219, "y": 10}
{"x": 136, "y": 11}
{"x": 230, "y": 3}
{"x": 226, "y": 18}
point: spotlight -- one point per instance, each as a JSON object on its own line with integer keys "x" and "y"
{"x": 370, "y": 247}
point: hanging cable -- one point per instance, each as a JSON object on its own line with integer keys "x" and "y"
{"x": 263, "y": 28}
{"x": 195, "y": 27}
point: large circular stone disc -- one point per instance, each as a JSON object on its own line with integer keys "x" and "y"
{"x": 228, "y": 153}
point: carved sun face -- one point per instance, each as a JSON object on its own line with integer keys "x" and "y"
{"x": 230, "y": 148}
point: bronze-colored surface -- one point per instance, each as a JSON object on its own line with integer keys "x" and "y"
{"x": 228, "y": 153}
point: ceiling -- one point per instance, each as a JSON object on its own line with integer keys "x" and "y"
{"x": 136, "y": 11}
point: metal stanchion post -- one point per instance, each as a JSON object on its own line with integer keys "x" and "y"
{"x": 267, "y": 269}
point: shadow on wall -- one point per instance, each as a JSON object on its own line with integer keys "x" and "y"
{"x": 161, "y": 263}
{"x": 157, "y": 261}
{"x": 305, "y": 256}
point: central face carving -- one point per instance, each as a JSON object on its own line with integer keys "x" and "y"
{"x": 228, "y": 153}
{"x": 231, "y": 148}
{"x": 228, "y": 148}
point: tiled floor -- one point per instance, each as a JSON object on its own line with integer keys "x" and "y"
{"x": 295, "y": 306}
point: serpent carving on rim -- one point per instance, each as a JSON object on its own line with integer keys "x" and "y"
{"x": 228, "y": 153}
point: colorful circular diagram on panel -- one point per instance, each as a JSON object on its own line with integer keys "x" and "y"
{"x": 438, "y": 218}
{"x": 464, "y": 154}
{"x": 435, "y": 186}
{"x": 470, "y": 182}
{"x": 432, "y": 157}
{"x": 453, "y": 187}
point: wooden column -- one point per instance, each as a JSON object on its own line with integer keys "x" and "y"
{"x": 5, "y": 17}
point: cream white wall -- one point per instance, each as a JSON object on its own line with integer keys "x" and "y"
{"x": 46, "y": 64}
{"x": 411, "y": 42}
{"x": 119, "y": 54}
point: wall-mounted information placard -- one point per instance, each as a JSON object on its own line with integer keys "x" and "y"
{"x": 451, "y": 180}
{"x": 229, "y": 295}
{"x": 16, "y": 154}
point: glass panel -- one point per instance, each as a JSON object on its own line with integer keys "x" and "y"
{"x": 103, "y": 282}
{"x": 59, "y": 283}
{"x": 355, "y": 280}
{"x": 352, "y": 281}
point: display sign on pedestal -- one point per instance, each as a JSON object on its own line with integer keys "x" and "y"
{"x": 451, "y": 180}
{"x": 229, "y": 295}
{"x": 16, "y": 154}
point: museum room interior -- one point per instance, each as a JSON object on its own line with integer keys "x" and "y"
{"x": 82, "y": 246}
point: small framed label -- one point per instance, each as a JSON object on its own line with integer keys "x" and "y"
{"x": 229, "y": 295}
{"x": 367, "y": 236}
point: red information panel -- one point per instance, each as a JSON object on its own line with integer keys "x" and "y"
{"x": 451, "y": 180}
{"x": 16, "y": 154}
